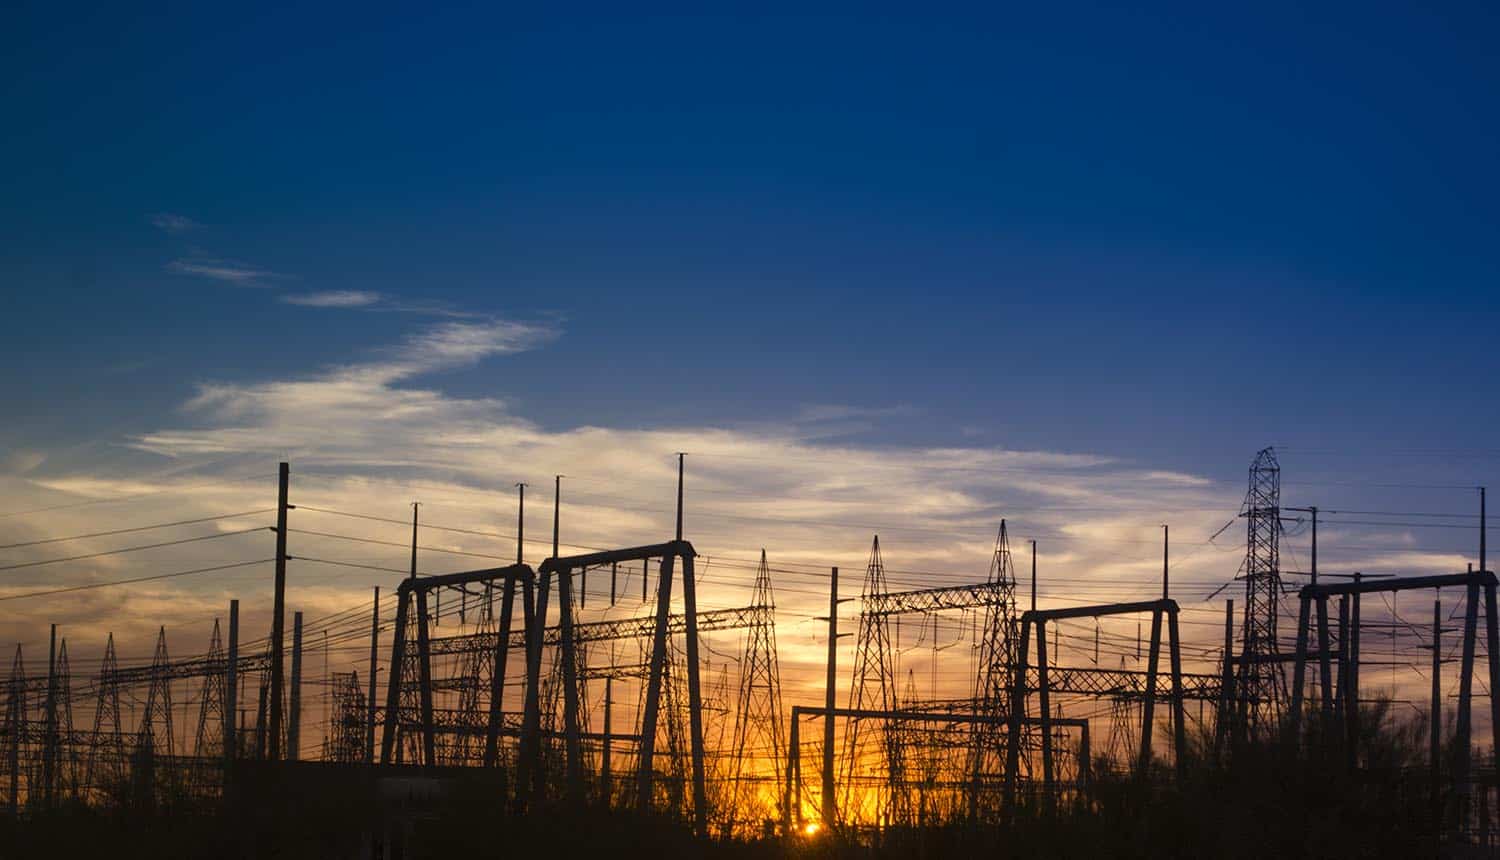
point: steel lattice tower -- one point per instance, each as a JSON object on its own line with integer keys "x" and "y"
{"x": 874, "y": 688}
{"x": 347, "y": 734}
{"x": 15, "y": 720}
{"x": 758, "y": 732}
{"x": 997, "y": 661}
{"x": 1261, "y": 682}
{"x": 105, "y": 775}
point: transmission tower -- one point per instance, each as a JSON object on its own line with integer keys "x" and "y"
{"x": 64, "y": 752}
{"x": 874, "y": 688}
{"x": 154, "y": 740}
{"x": 1261, "y": 681}
{"x": 105, "y": 775}
{"x": 996, "y": 669}
{"x": 757, "y": 723}
{"x": 15, "y": 722}
{"x": 208, "y": 742}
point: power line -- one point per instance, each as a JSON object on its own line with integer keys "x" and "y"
{"x": 136, "y": 529}
{"x": 132, "y": 548}
{"x": 138, "y": 579}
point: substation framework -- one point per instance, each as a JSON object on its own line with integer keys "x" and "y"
{"x": 47, "y": 759}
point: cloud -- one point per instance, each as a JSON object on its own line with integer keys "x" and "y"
{"x": 174, "y": 224}
{"x": 333, "y": 299}
{"x": 369, "y": 436}
{"x": 230, "y": 271}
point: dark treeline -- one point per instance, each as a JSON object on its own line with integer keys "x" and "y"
{"x": 1260, "y": 803}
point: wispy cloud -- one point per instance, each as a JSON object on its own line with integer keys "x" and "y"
{"x": 333, "y": 299}
{"x": 168, "y": 222}
{"x": 229, "y": 271}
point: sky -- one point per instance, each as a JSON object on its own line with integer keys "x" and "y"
{"x": 874, "y": 269}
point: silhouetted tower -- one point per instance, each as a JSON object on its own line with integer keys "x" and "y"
{"x": 154, "y": 741}
{"x": 758, "y": 736}
{"x": 64, "y": 752}
{"x": 996, "y": 661}
{"x": 1261, "y": 681}
{"x": 104, "y": 777}
{"x": 874, "y": 688}
{"x": 208, "y": 742}
{"x": 346, "y": 737}
{"x": 14, "y": 741}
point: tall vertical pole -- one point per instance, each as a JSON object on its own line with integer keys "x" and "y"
{"x": 830, "y": 683}
{"x": 1352, "y": 702}
{"x": 232, "y": 687}
{"x": 49, "y": 748}
{"x": 1226, "y": 694}
{"x": 644, "y": 773}
{"x": 556, "y": 511}
{"x": 1044, "y": 707}
{"x": 424, "y": 679}
{"x": 498, "y": 669}
{"x": 278, "y": 615}
{"x": 1314, "y": 510}
{"x": 414, "y": 507}
{"x": 520, "y": 523}
{"x": 1483, "y": 532}
{"x": 374, "y": 667}
{"x": 1033, "y": 576}
{"x": 1148, "y": 706}
{"x": 1435, "y": 741}
{"x": 605, "y": 778}
{"x": 1165, "y": 592}
{"x": 680, "y": 457}
{"x": 571, "y": 738}
{"x": 1492, "y": 650}
{"x": 1179, "y": 722}
{"x": 294, "y": 709}
{"x": 1462, "y": 747}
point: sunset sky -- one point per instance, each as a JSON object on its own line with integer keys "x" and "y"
{"x": 872, "y": 273}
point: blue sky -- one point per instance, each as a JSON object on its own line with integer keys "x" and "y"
{"x": 875, "y": 269}
{"x": 1175, "y": 235}
{"x": 1161, "y": 238}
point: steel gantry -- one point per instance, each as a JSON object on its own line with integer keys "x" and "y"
{"x": 1039, "y": 618}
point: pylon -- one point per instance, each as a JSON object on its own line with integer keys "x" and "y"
{"x": 996, "y": 661}
{"x": 874, "y": 687}
{"x": 758, "y": 736}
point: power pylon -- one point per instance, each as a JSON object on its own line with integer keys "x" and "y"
{"x": 65, "y": 752}
{"x": 758, "y": 732}
{"x": 874, "y": 688}
{"x": 15, "y": 758}
{"x": 208, "y": 742}
{"x": 1261, "y": 680}
{"x": 154, "y": 740}
{"x": 105, "y": 774}
{"x": 996, "y": 670}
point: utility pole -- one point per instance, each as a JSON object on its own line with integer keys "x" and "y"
{"x": 605, "y": 779}
{"x": 414, "y": 507}
{"x": 830, "y": 806}
{"x": 1164, "y": 581}
{"x": 1033, "y": 576}
{"x": 278, "y": 615}
{"x": 232, "y": 688}
{"x": 680, "y": 457}
{"x": 374, "y": 685}
{"x": 556, "y": 509}
{"x": 521, "y": 524}
{"x": 294, "y": 723}
{"x": 1435, "y": 742}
